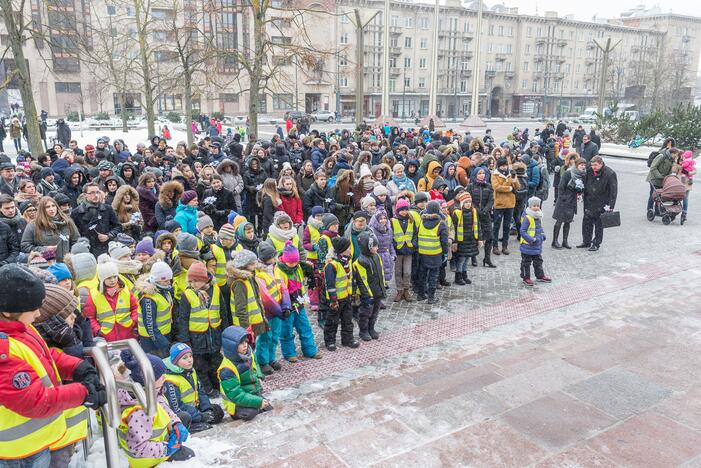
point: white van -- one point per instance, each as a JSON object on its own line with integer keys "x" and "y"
{"x": 589, "y": 115}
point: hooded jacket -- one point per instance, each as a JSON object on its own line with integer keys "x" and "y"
{"x": 168, "y": 199}
{"x": 426, "y": 182}
{"x": 71, "y": 191}
{"x": 172, "y": 393}
{"x": 148, "y": 311}
{"x": 243, "y": 390}
{"x": 374, "y": 270}
{"x": 505, "y": 187}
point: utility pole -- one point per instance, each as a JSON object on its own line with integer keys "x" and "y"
{"x": 474, "y": 119}
{"x": 606, "y": 50}
{"x": 385, "y": 112}
{"x": 359, "y": 58}
{"x": 433, "y": 89}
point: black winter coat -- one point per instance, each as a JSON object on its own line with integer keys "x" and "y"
{"x": 468, "y": 246}
{"x": 251, "y": 180}
{"x": 219, "y": 211}
{"x": 17, "y": 225}
{"x": 483, "y": 200}
{"x": 206, "y": 342}
{"x": 8, "y": 245}
{"x": 566, "y": 206}
{"x": 600, "y": 190}
{"x": 92, "y": 220}
{"x": 317, "y": 197}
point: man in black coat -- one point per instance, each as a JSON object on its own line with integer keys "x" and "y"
{"x": 96, "y": 221}
{"x": 318, "y": 195}
{"x": 589, "y": 149}
{"x": 224, "y": 202}
{"x": 9, "y": 183}
{"x": 10, "y": 215}
{"x": 577, "y": 137}
{"x": 8, "y": 245}
{"x": 600, "y": 193}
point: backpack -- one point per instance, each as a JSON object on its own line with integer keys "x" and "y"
{"x": 652, "y": 157}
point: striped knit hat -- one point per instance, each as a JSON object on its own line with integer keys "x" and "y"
{"x": 227, "y": 232}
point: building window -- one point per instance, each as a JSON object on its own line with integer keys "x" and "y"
{"x": 407, "y": 82}
{"x": 528, "y": 49}
{"x": 491, "y": 29}
{"x": 534, "y": 88}
{"x": 111, "y": 10}
{"x": 490, "y": 48}
{"x": 67, "y": 88}
{"x": 131, "y": 103}
{"x": 407, "y": 62}
{"x": 508, "y": 49}
{"x": 423, "y": 43}
{"x": 576, "y": 85}
{"x": 229, "y": 98}
{"x": 408, "y": 22}
{"x": 344, "y": 19}
{"x": 423, "y": 23}
{"x": 282, "y": 101}
{"x": 529, "y": 31}
{"x": 394, "y": 21}
{"x": 262, "y": 104}
{"x": 392, "y": 85}
{"x": 342, "y": 60}
{"x": 463, "y": 86}
{"x": 422, "y": 63}
{"x": 344, "y": 38}
{"x": 422, "y": 83}
{"x": 501, "y": 30}
{"x": 407, "y": 42}
{"x": 393, "y": 43}
{"x": 525, "y": 66}
{"x": 343, "y": 82}
{"x": 281, "y": 40}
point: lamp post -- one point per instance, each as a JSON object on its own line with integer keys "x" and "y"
{"x": 474, "y": 119}
{"x": 606, "y": 48}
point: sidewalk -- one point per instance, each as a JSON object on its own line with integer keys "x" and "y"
{"x": 623, "y": 151}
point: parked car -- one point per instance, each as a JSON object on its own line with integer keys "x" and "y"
{"x": 323, "y": 116}
{"x": 296, "y": 115}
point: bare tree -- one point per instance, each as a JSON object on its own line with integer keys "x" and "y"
{"x": 19, "y": 30}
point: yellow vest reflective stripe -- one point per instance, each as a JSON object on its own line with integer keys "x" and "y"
{"x": 20, "y": 436}
{"x": 188, "y": 392}
{"x": 271, "y": 284}
{"x": 429, "y": 242}
{"x": 107, "y": 317}
{"x": 363, "y": 275}
{"x": 343, "y": 282}
{"x": 255, "y": 314}
{"x": 531, "y": 228}
{"x": 76, "y": 427}
{"x": 179, "y": 284}
{"x": 460, "y": 229}
{"x": 313, "y": 239}
{"x": 229, "y": 405}
{"x": 159, "y": 433}
{"x": 280, "y": 244}
{"x": 416, "y": 216}
{"x": 402, "y": 238}
{"x": 220, "y": 257}
{"x": 164, "y": 315}
{"x": 203, "y": 316}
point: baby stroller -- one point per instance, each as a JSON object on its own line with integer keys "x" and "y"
{"x": 668, "y": 200}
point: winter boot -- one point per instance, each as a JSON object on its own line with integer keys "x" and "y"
{"x": 458, "y": 279}
{"x": 408, "y": 296}
{"x": 276, "y": 365}
{"x": 505, "y": 249}
{"x": 399, "y": 296}
{"x": 565, "y": 234}
{"x": 474, "y": 261}
{"x": 363, "y": 320}
{"x": 556, "y": 233}
{"x": 487, "y": 262}
{"x": 495, "y": 249}
{"x": 266, "y": 370}
{"x": 371, "y": 328}
{"x": 431, "y": 298}
{"x": 465, "y": 279}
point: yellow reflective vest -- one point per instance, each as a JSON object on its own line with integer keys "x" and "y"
{"x": 229, "y": 405}
{"x": 253, "y": 309}
{"x": 403, "y": 238}
{"x": 343, "y": 281}
{"x": 220, "y": 257}
{"x": 164, "y": 315}
{"x": 159, "y": 433}
{"x": 203, "y": 316}
{"x": 107, "y": 317}
{"x": 272, "y": 284}
{"x": 314, "y": 236}
{"x": 361, "y": 275}
{"x": 460, "y": 228}
{"x": 531, "y": 228}
{"x": 188, "y": 392}
{"x": 429, "y": 241}
{"x": 280, "y": 244}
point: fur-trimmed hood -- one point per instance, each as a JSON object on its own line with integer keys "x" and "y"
{"x": 143, "y": 286}
{"x": 236, "y": 274}
{"x": 166, "y": 235}
{"x": 170, "y": 191}
{"x": 119, "y": 197}
{"x": 159, "y": 255}
{"x": 228, "y": 163}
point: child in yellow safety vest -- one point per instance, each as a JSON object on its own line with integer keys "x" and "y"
{"x": 338, "y": 293}
{"x": 155, "y": 294}
{"x": 200, "y": 322}
{"x": 206, "y": 234}
{"x": 404, "y": 234}
{"x": 276, "y": 304}
{"x": 467, "y": 236}
{"x": 310, "y": 239}
{"x": 368, "y": 285}
{"x": 432, "y": 251}
{"x": 240, "y": 377}
{"x": 532, "y": 238}
{"x": 184, "y": 392}
{"x": 246, "y": 304}
{"x": 120, "y": 255}
{"x": 150, "y": 440}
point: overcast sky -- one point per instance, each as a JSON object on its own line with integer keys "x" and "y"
{"x": 584, "y": 10}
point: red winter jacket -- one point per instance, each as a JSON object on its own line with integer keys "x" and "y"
{"x": 293, "y": 207}
{"x": 119, "y": 332}
{"x": 35, "y": 400}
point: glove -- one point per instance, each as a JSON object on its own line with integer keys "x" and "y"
{"x": 182, "y": 432}
{"x": 86, "y": 373}
{"x": 173, "y": 444}
{"x": 207, "y": 416}
{"x": 96, "y": 398}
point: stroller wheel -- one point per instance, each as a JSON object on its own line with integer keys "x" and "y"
{"x": 650, "y": 215}
{"x": 666, "y": 219}
{"x": 682, "y": 219}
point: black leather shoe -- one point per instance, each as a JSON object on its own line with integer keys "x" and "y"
{"x": 593, "y": 248}
{"x": 583, "y": 246}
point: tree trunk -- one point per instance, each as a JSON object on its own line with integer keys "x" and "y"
{"x": 257, "y": 70}
{"x": 123, "y": 107}
{"x": 147, "y": 102}
{"x": 16, "y": 38}
{"x": 187, "y": 118}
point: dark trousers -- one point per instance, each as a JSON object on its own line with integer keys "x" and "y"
{"x": 502, "y": 218}
{"x": 206, "y": 365}
{"x": 650, "y": 203}
{"x": 247, "y": 414}
{"x": 367, "y": 315}
{"x": 442, "y": 274}
{"x": 415, "y": 270}
{"x": 536, "y": 260}
{"x": 591, "y": 224}
{"x": 344, "y": 315}
{"x": 427, "y": 281}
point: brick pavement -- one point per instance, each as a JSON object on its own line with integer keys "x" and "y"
{"x": 601, "y": 368}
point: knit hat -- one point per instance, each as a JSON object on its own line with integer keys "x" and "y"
{"x": 317, "y": 210}
{"x": 188, "y": 196}
{"x": 360, "y": 214}
{"x": 227, "y": 232}
{"x": 402, "y": 204}
{"x": 203, "y": 222}
{"x": 62, "y": 199}
{"x": 145, "y": 245}
{"x": 172, "y": 225}
{"x": 25, "y": 205}
{"x": 290, "y": 254}
{"x": 340, "y": 244}
{"x": 266, "y": 251}
{"x": 367, "y": 201}
{"x": 439, "y": 182}
{"x": 60, "y": 271}
{"x": 187, "y": 245}
{"x": 160, "y": 271}
{"x": 177, "y": 351}
{"x": 84, "y": 266}
{"x": 118, "y": 250}
{"x": 533, "y": 201}
{"x": 238, "y": 219}
{"x": 281, "y": 217}
{"x": 243, "y": 258}
{"x": 380, "y": 190}
{"x": 82, "y": 245}
{"x": 328, "y": 220}
{"x": 106, "y": 270}
{"x": 58, "y": 301}
{"x": 364, "y": 171}
{"x": 433, "y": 207}
{"x": 20, "y": 290}
{"x": 159, "y": 368}
{"x": 197, "y": 272}
{"x": 46, "y": 172}
{"x": 688, "y": 154}
{"x": 502, "y": 162}
{"x": 420, "y": 197}
{"x": 125, "y": 239}
{"x": 464, "y": 195}
{"x": 49, "y": 253}
{"x": 104, "y": 165}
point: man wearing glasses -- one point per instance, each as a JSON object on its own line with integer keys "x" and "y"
{"x": 95, "y": 220}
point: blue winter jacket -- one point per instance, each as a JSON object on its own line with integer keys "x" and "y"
{"x": 172, "y": 393}
{"x": 533, "y": 172}
{"x": 187, "y": 217}
{"x": 534, "y": 244}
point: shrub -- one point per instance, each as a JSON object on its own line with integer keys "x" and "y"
{"x": 102, "y": 116}
{"x": 73, "y": 116}
{"x": 173, "y": 116}
{"x": 218, "y": 115}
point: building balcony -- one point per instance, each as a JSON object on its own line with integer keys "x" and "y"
{"x": 394, "y": 71}
{"x": 539, "y": 58}
{"x": 541, "y": 40}
{"x": 465, "y": 55}
{"x": 465, "y": 73}
{"x": 395, "y": 30}
{"x": 589, "y": 61}
{"x": 561, "y": 42}
{"x": 509, "y": 75}
{"x": 560, "y": 58}
{"x": 500, "y": 57}
{"x": 490, "y": 73}
{"x": 591, "y": 45}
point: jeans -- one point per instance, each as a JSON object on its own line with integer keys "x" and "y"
{"x": 591, "y": 224}
{"x": 300, "y": 322}
{"x": 38, "y": 460}
{"x": 428, "y": 279}
{"x": 18, "y": 143}
{"x": 402, "y": 272}
{"x": 266, "y": 344}
{"x": 502, "y": 216}
{"x": 460, "y": 264}
{"x": 650, "y": 203}
{"x": 526, "y": 261}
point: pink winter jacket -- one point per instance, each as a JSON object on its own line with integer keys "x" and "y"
{"x": 140, "y": 428}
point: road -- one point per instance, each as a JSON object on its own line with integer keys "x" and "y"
{"x": 600, "y": 368}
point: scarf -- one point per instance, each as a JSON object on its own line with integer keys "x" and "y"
{"x": 282, "y": 234}
{"x": 128, "y": 267}
{"x": 113, "y": 291}
{"x": 295, "y": 279}
{"x": 315, "y": 223}
{"x": 404, "y": 183}
{"x": 534, "y": 214}
{"x": 368, "y": 184}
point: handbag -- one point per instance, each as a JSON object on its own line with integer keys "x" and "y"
{"x": 610, "y": 219}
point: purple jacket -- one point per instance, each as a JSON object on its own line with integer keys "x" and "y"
{"x": 386, "y": 246}
{"x": 140, "y": 426}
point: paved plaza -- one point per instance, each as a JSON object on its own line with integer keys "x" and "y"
{"x": 600, "y": 368}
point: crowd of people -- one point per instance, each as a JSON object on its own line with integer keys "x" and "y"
{"x": 213, "y": 255}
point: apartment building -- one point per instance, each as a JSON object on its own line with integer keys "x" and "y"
{"x": 530, "y": 65}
